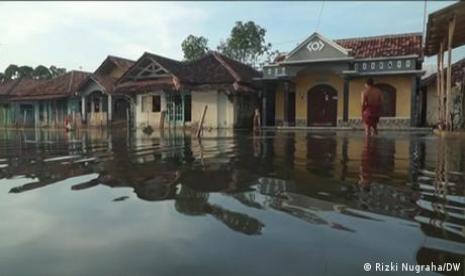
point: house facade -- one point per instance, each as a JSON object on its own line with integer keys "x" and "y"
{"x": 98, "y": 105}
{"x": 44, "y": 103}
{"x": 319, "y": 83}
{"x": 429, "y": 87}
{"x": 170, "y": 93}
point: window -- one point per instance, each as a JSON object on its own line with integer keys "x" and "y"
{"x": 156, "y": 104}
{"x": 151, "y": 103}
{"x": 187, "y": 108}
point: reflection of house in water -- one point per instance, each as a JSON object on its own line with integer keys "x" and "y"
{"x": 194, "y": 203}
{"x": 411, "y": 238}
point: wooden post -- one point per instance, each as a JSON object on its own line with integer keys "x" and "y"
{"x": 199, "y": 129}
{"x": 438, "y": 87}
{"x": 449, "y": 72}
{"x": 441, "y": 81}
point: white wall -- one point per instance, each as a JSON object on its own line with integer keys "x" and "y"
{"x": 220, "y": 111}
{"x": 142, "y": 119}
{"x": 225, "y": 111}
{"x": 432, "y": 104}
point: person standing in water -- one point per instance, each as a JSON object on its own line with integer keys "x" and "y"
{"x": 372, "y": 102}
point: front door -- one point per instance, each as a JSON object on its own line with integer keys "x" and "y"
{"x": 322, "y": 106}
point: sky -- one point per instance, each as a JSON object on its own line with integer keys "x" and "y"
{"x": 79, "y": 35}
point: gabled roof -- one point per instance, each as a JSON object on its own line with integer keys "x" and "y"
{"x": 212, "y": 70}
{"x": 122, "y": 63}
{"x": 169, "y": 66}
{"x": 102, "y": 73}
{"x": 396, "y": 45}
{"x": 384, "y": 45}
{"x": 322, "y": 38}
{"x": 60, "y": 87}
{"x": 458, "y": 74}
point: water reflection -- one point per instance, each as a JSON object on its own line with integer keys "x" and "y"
{"x": 341, "y": 182}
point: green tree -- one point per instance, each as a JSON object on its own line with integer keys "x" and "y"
{"x": 11, "y": 72}
{"x": 246, "y": 44}
{"x": 194, "y": 47}
{"x": 56, "y": 71}
{"x": 41, "y": 73}
{"x": 25, "y": 71}
{"x": 2, "y": 78}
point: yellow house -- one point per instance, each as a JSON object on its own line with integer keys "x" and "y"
{"x": 319, "y": 83}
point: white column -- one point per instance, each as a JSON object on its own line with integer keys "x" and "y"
{"x": 83, "y": 108}
{"x": 36, "y": 114}
{"x": 109, "y": 108}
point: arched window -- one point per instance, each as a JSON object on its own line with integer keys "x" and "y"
{"x": 389, "y": 95}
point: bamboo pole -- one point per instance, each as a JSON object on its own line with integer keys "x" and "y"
{"x": 438, "y": 88}
{"x": 449, "y": 72}
{"x": 202, "y": 118}
{"x": 441, "y": 68}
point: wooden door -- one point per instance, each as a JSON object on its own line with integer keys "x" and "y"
{"x": 322, "y": 106}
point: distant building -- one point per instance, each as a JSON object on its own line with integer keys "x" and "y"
{"x": 42, "y": 103}
{"x": 98, "y": 105}
{"x": 429, "y": 87}
{"x": 319, "y": 83}
{"x": 181, "y": 90}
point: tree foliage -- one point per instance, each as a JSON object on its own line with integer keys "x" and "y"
{"x": 11, "y": 72}
{"x": 41, "y": 72}
{"x": 56, "y": 71}
{"x": 246, "y": 44}
{"x": 194, "y": 47}
{"x": 25, "y": 72}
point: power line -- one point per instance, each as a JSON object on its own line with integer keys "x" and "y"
{"x": 424, "y": 22}
{"x": 319, "y": 16}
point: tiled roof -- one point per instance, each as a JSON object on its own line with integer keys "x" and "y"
{"x": 383, "y": 46}
{"x": 144, "y": 85}
{"x": 62, "y": 86}
{"x": 122, "y": 63}
{"x": 212, "y": 70}
{"x": 102, "y": 75}
{"x": 6, "y": 88}
{"x": 458, "y": 74}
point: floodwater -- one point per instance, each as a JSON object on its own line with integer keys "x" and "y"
{"x": 275, "y": 203}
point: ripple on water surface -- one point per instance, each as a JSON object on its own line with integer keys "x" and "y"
{"x": 277, "y": 203}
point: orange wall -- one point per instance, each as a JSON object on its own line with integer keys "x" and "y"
{"x": 403, "y": 85}
{"x": 306, "y": 80}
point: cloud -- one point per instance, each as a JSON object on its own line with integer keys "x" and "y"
{"x": 75, "y": 34}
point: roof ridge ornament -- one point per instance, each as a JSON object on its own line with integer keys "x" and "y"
{"x": 315, "y": 45}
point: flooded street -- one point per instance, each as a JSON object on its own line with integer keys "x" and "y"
{"x": 278, "y": 203}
